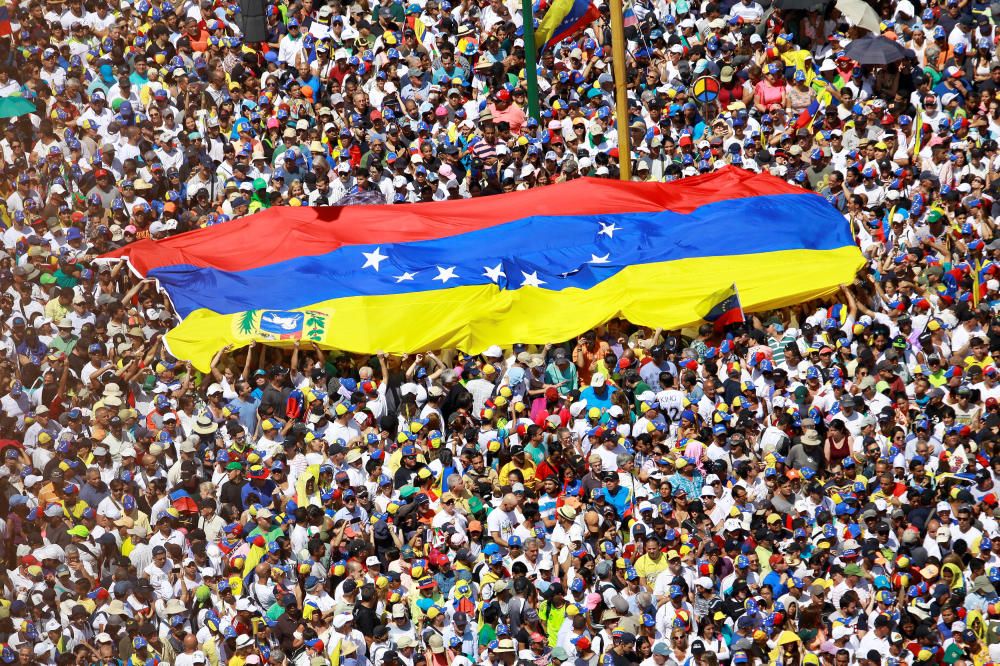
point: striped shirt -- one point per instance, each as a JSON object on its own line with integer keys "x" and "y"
{"x": 778, "y": 346}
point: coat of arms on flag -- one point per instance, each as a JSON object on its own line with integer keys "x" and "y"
{"x": 268, "y": 325}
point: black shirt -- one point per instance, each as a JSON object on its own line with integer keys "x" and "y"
{"x": 232, "y": 493}
{"x": 365, "y": 619}
{"x": 275, "y": 399}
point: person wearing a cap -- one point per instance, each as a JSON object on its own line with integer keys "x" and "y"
{"x": 110, "y": 163}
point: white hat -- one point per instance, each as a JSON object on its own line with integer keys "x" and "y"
{"x": 841, "y": 631}
{"x": 707, "y": 491}
{"x": 493, "y": 352}
{"x": 53, "y": 625}
{"x": 243, "y": 640}
{"x": 243, "y": 604}
{"x": 598, "y": 380}
{"x": 372, "y": 561}
{"x": 341, "y": 620}
{"x": 214, "y": 388}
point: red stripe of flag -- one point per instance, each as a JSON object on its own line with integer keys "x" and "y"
{"x": 288, "y": 232}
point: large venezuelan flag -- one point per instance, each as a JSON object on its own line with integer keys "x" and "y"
{"x": 536, "y": 266}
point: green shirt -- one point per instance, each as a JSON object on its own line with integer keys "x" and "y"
{"x": 487, "y": 634}
{"x": 64, "y": 280}
{"x": 554, "y": 375}
{"x": 553, "y": 618}
{"x": 59, "y": 343}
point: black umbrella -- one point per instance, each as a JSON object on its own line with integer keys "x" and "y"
{"x": 876, "y": 51}
{"x": 801, "y": 5}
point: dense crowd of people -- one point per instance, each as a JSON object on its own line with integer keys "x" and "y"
{"x": 814, "y": 486}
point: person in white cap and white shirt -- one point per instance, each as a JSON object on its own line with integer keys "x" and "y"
{"x": 53, "y": 636}
{"x": 43, "y": 423}
{"x": 483, "y": 386}
{"x": 400, "y": 625}
{"x": 343, "y": 631}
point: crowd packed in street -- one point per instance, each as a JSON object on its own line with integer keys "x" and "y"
{"x": 812, "y": 486}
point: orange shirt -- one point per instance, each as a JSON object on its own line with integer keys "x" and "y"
{"x": 585, "y": 357}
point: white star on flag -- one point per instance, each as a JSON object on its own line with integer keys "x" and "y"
{"x": 531, "y": 279}
{"x": 608, "y": 230}
{"x": 594, "y": 259}
{"x": 373, "y": 259}
{"x": 495, "y": 273}
{"x": 405, "y": 277}
{"x": 445, "y": 274}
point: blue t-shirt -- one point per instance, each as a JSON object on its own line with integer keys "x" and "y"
{"x": 590, "y": 395}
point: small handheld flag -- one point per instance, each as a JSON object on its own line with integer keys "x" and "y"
{"x": 562, "y": 19}
{"x": 723, "y": 308}
{"x": 629, "y": 18}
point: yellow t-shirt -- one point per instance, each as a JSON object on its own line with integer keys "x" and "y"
{"x": 971, "y": 361}
{"x": 648, "y": 569}
{"x": 528, "y": 472}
